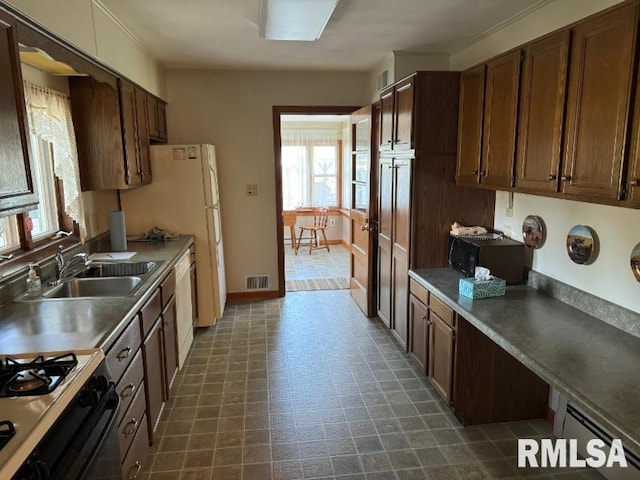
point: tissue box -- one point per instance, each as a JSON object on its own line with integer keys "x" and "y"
{"x": 472, "y": 288}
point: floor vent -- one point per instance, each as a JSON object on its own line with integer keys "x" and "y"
{"x": 257, "y": 282}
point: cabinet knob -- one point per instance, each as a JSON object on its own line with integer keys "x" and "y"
{"x": 365, "y": 227}
{"x": 389, "y": 141}
{"x": 565, "y": 178}
{"x": 130, "y": 427}
{"x": 423, "y": 317}
{"x": 475, "y": 172}
{"x": 483, "y": 173}
{"x": 124, "y": 353}
{"x": 634, "y": 183}
{"x": 552, "y": 177}
{"x": 134, "y": 475}
{"x": 128, "y": 391}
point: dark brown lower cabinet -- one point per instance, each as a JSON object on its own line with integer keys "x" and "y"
{"x": 154, "y": 376}
{"x": 418, "y": 334}
{"x": 441, "y": 356}
{"x": 170, "y": 345}
{"x": 136, "y": 458}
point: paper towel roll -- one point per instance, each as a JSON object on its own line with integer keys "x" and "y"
{"x": 118, "y": 231}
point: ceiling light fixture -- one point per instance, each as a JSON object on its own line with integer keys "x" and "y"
{"x": 302, "y": 20}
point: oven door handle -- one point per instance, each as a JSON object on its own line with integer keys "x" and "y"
{"x": 108, "y": 405}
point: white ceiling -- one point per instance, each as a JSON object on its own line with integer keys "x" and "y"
{"x": 224, "y": 33}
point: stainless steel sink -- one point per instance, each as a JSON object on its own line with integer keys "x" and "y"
{"x": 126, "y": 269}
{"x": 94, "y": 287}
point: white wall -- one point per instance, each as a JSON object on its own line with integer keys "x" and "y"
{"x": 88, "y": 25}
{"x": 610, "y": 276}
{"x": 233, "y": 110}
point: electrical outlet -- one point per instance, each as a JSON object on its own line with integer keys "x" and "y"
{"x": 506, "y": 229}
{"x": 332, "y": 222}
{"x": 252, "y": 190}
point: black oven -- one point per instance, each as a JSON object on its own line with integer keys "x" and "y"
{"x": 83, "y": 442}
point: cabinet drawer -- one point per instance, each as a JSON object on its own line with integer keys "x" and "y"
{"x": 131, "y": 422}
{"x": 439, "y": 308}
{"x": 136, "y": 458}
{"x": 419, "y": 291}
{"x": 123, "y": 351}
{"x": 150, "y": 312}
{"x": 168, "y": 288}
{"x": 130, "y": 383}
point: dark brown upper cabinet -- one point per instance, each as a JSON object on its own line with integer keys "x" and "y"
{"x": 470, "y": 126}
{"x": 397, "y": 109}
{"x": 500, "y": 115}
{"x": 542, "y": 100}
{"x": 601, "y": 69}
{"x": 17, "y": 189}
{"x": 111, "y": 133}
{"x": 156, "y": 119}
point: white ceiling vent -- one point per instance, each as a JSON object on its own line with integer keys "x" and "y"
{"x": 383, "y": 80}
{"x": 257, "y": 282}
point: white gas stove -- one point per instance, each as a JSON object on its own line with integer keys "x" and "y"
{"x": 35, "y": 390}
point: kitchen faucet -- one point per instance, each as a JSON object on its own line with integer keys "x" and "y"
{"x": 71, "y": 266}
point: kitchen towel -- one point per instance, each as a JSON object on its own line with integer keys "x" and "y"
{"x": 118, "y": 231}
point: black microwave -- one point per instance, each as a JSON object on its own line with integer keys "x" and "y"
{"x": 503, "y": 256}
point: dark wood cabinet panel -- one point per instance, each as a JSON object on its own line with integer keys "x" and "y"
{"x": 386, "y": 119}
{"x": 152, "y": 117}
{"x": 170, "y": 344}
{"x": 138, "y": 454}
{"x": 128, "y": 110}
{"x": 602, "y": 60}
{"x": 418, "y": 332}
{"x": 544, "y": 80}
{"x": 500, "y": 115}
{"x": 403, "y": 115}
{"x": 154, "y": 377}
{"x": 470, "y": 126}
{"x": 17, "y": 188}
{"x": 441, "y": 350}
{"x": 162, "y": 122}
{"x": 385, "y": 235}
{"x": 142, "y": 129}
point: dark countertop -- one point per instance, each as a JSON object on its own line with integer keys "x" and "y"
{"x": 595, "y": 364}
{"x": 62, "y": 325}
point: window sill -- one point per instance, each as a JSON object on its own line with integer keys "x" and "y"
{"x": 42, "y": 251}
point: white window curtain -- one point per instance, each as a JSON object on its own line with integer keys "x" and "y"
{"x": 49, "y": 115}
{"x": 310, "y": 167}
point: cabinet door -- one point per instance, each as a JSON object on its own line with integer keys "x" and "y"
{"x": 441, "y": 338}
{"x": 601, "y": 68}
{"x": 385, "y": 232}
{"x": 142, "y": 132}
{"x": 17, "y": 190}
{"x": 128, "y": 109}
{"x": 170, "y": 345}
{"x": 418, "y": 332}
{"x": 500, "y": 114}
{"x": 470, "y": 126}
{"x": 403, "y": 138}
{"x": 152, "y": 116}
{"x": 386, "y": 119}
{"x": 544, "y": 79}
{"x": 162, "y": 122}
{"x": 153, "y": 377}
{"x": 401, "y": 221}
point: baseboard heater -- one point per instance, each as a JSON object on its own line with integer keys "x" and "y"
{"x": 573, "y": 423}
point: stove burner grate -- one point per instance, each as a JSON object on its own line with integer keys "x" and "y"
{"x": 37, "y": 377}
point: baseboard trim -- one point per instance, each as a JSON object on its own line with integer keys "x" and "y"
{"x": 248, "y": 296}
{"x": 345, "y": 244}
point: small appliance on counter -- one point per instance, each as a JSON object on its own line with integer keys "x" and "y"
{"x": 503, "y": 256}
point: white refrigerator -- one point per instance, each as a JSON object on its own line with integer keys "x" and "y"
{"x": 183, "y": 198}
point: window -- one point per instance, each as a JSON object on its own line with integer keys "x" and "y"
{"x": 310, "y": 168}
{"x": 43, "y": 220}
{"x": 9, "y": 236}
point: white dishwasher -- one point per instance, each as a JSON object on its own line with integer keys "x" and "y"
{"x": 183, "y": 307}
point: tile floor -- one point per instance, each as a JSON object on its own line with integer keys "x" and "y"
{"x": 274, "y": 392}
{"x": 320, "y": 264}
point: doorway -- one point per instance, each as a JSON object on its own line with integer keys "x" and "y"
{"x": 310, "y": 147}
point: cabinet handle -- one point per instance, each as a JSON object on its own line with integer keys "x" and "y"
{"x": 130, "y": 427}
{"x": 483, "y": 173}
{"x": 124, "y": 353}
{"x": 138, "y": 467}
{"x": 128, "y": 391}
{"x": 634, "y": 183}
{"x": 475, "y": 172}
{"x": 165, "y": 323}
{"x": 389, "y": 141}
{"x": 423, "y": 317}
{"x": 552, "y": 177}
{"x": 565, "y": 178}
{"x": 365, "y": 227}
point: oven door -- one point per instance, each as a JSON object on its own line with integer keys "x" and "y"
{"x": 83, "y": 443}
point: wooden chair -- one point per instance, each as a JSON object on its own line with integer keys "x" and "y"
{"x": 320, "y": 220}
{"x": 289, "y": 219}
